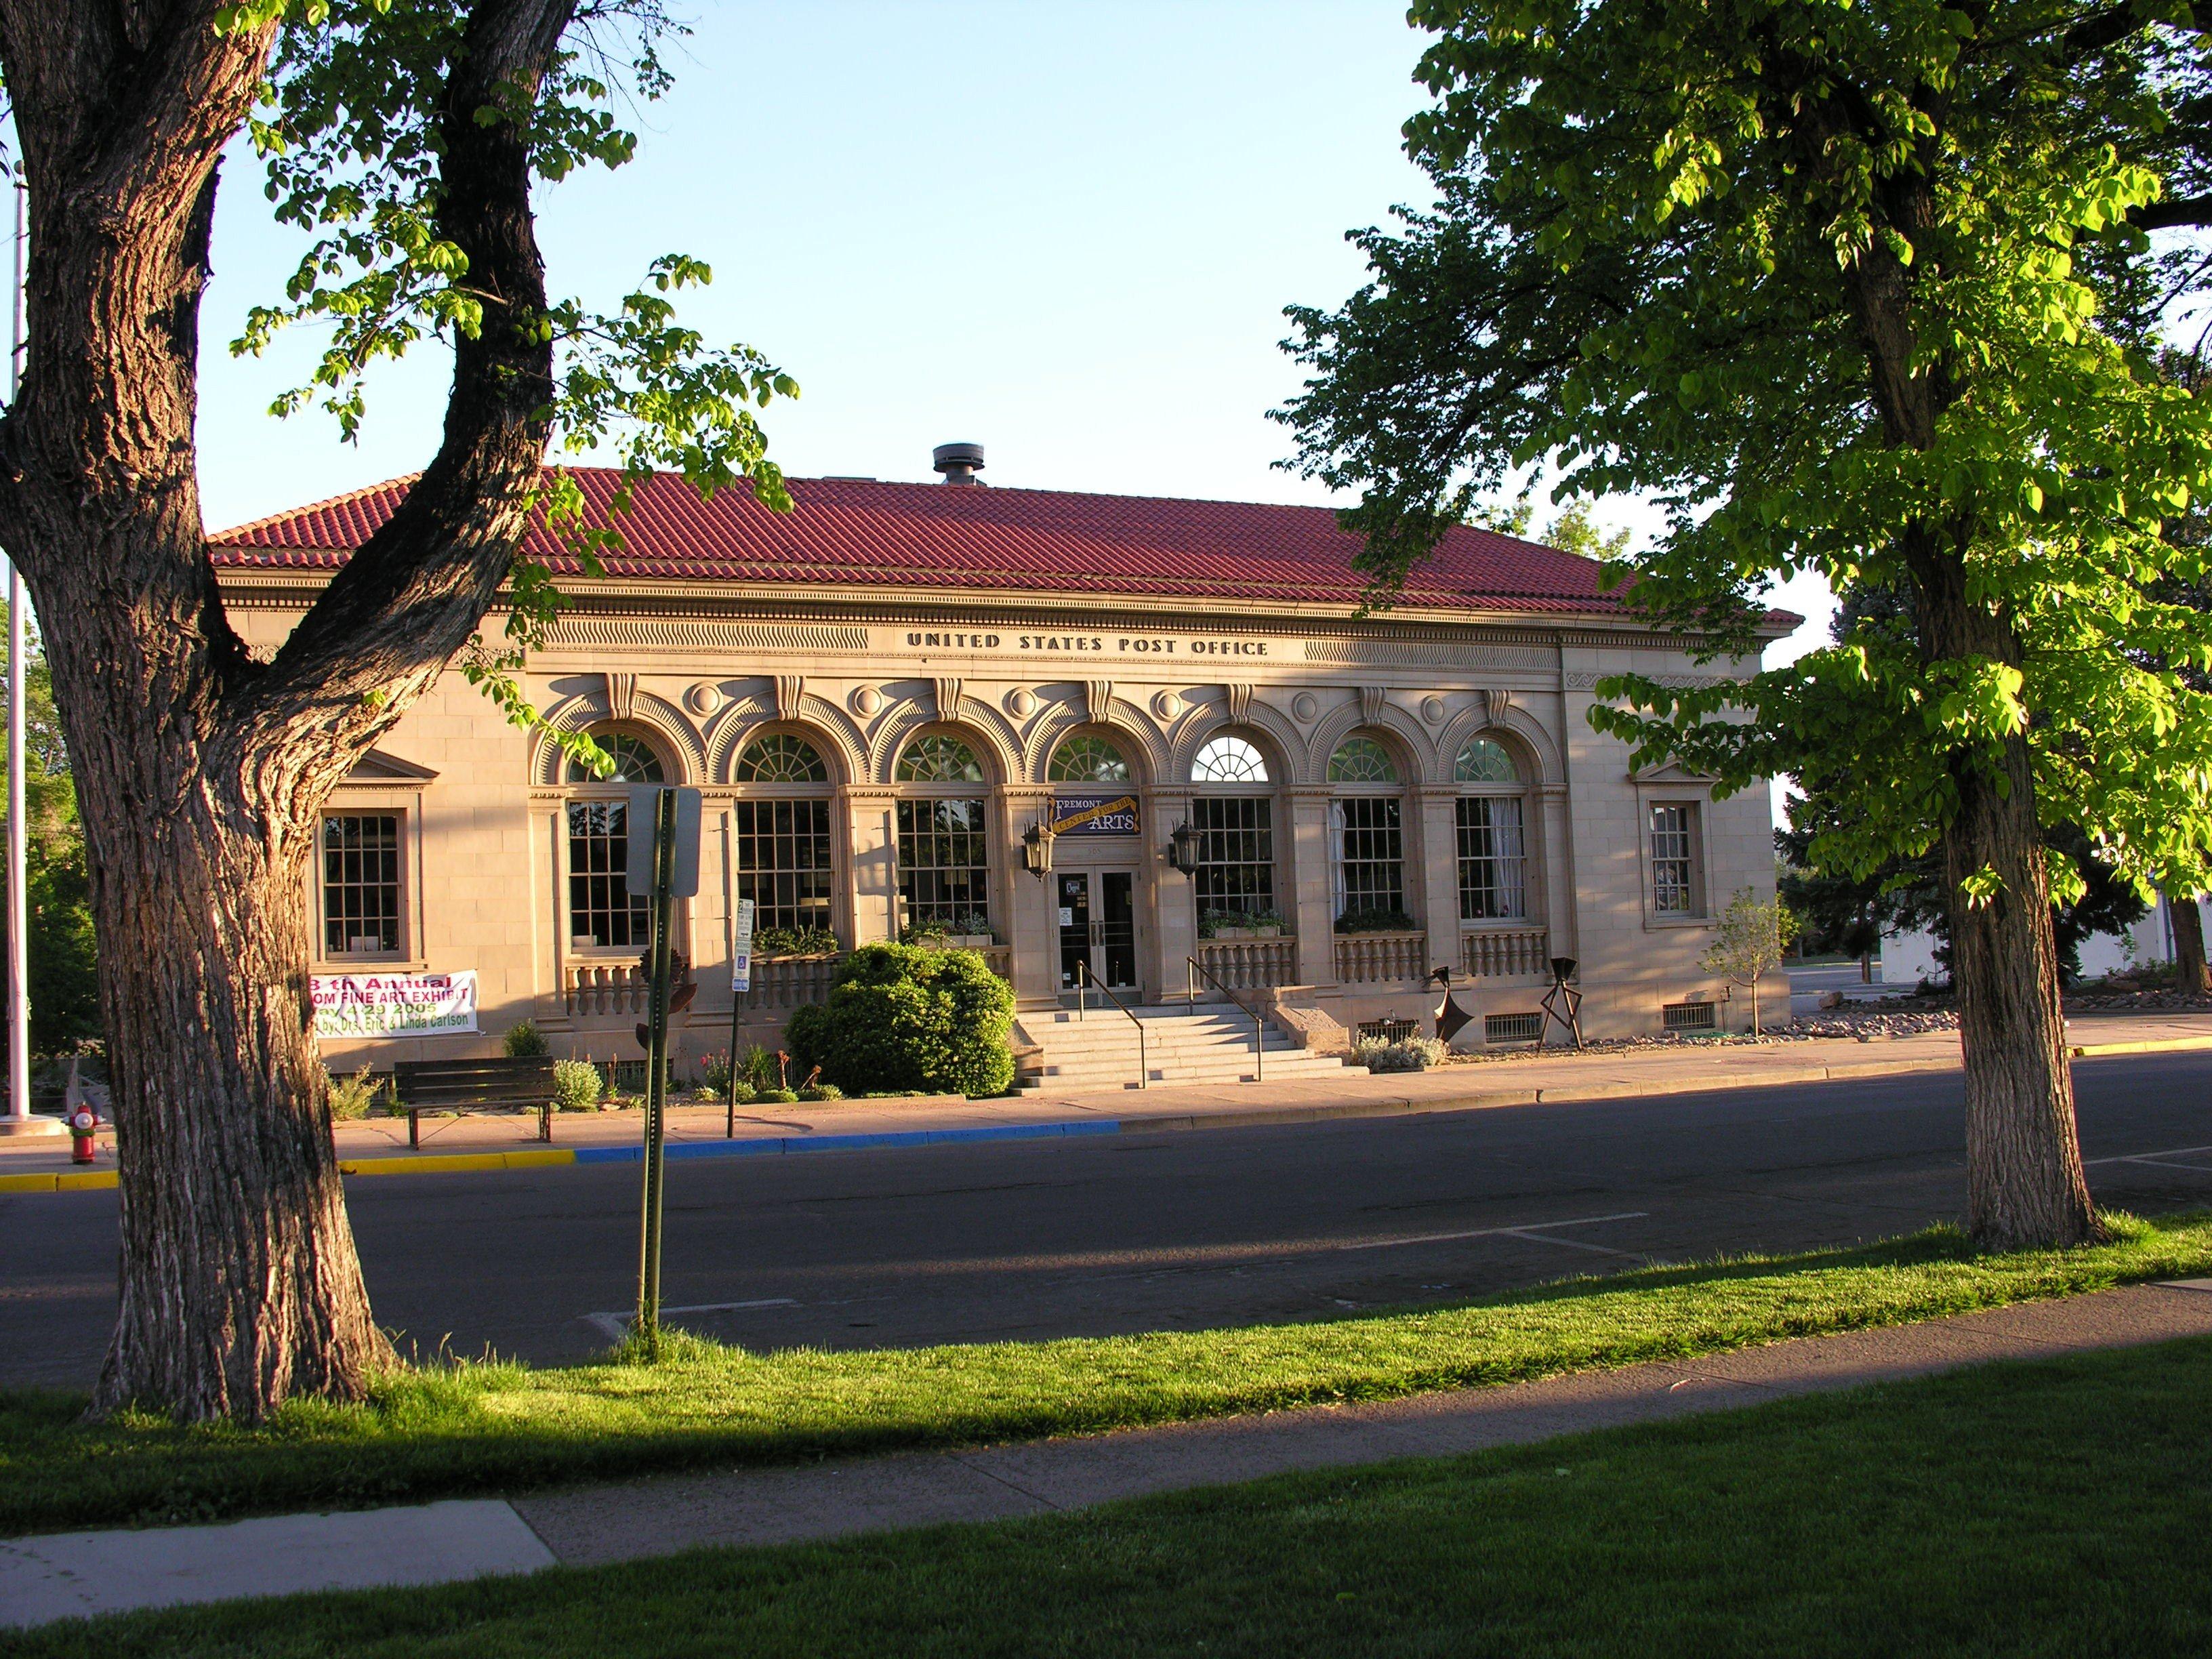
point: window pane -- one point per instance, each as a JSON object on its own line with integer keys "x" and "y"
{"x": 1492, "y": 868}
{"x": 1485, "y": 761}
{"x": 1087, "y": 760}
{"x": 1227, "y": 760}
{"x": 1370, "y": 862}
{"x": 600, "y": 906}
{"x": 360, "y": 884}
{"x": 944, "y": 865}
{"x": 1671, "y": 887}
{"x": 1362, "y": 760}
{"x": 783, "y": 862}
{"x": 635, "y": 761}
{"x": 779, "y": 758}
{"x": 939, "y": 759}
{"x": 1236, "y": 855}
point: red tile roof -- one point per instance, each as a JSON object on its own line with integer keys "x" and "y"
{"x": 917, "y": 535}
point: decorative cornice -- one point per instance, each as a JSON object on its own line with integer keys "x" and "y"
{"x": 1371, "y": 699}
{"x": 789, "y": 689}
{"x": 1239, "y": 700}
{"x": 622, "y": 695}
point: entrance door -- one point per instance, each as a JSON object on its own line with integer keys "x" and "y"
{"x": 1097, "y": 927}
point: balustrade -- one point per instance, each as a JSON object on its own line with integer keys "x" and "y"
{"x": 1507, "y": 953}
{"x": 1250, "y": 964}
{"x": 1381, "y": 959}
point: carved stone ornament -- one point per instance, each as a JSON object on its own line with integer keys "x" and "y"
{"x": 948, "y": 697}
{"x": 1494, "y": 705}
{"x": 622, "y": 695}
{"x": 1097, "y": 698}
{"x": 1167, "y": 705}
{"x": 789, "y": 689}
{"x": 703, "y": 699}
{"x": 1371, "y": 699}
{"x": 1020, "y": 704}
{"x": 1432, "y": 710}
{"x": 1240, "y": 703}
{"x": 1305, "y": 709}
{"x": 864, "y": 701}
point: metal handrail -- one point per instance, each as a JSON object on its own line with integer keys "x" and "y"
{"x": 1258, "y": 1025}
{"x": 1083, "y": 975}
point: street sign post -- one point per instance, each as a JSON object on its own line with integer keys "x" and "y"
{"x": 741, "y": 981}
{"x": 664, "y": 863}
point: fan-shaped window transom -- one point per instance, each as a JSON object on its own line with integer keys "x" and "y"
{"x": 779, "y": 757}
{"x": 1485, "y": 761}
{"x": 1087, "y": 759}
{"x": 635, "y": 761}
{"x": 1227, "y": 760}
{"x": 1362, "y": 760}
{"x": 939, "y": 758}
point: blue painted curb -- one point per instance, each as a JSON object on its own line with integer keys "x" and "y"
{"x": 774, "y": 1145}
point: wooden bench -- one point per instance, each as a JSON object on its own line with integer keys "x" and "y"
{"x": 462, "y": 1086}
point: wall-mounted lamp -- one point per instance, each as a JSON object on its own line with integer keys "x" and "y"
{"x": 1182, "y": 848}
{"x": 1036, "y": 849}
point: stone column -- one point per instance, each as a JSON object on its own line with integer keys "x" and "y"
{"x": 1028, "y": 921}
{"x": 1173, "y": 906}
{"x": 1435, "y": 845}
{"x": 1313, "y": 906}
{"x": 871, "y": 875}
{"x": 1554, "y": 865}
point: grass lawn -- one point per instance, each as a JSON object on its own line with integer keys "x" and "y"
{"x": 2051, "y": 1508}
{"x": 504, "y": 1428}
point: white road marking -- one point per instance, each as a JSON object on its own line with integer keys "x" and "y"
{"x": 617, "y": 1325}
{"x": 1533, "y": 1231}
{"x": 2138, "y": 1157}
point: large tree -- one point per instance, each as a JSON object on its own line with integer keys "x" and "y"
{"x": 404, "y": 139}
{"x": 1867, "y": 288}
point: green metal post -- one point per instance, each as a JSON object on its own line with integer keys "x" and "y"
{"x": 656, "y": 1063}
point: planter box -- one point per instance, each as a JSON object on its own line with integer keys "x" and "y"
{"x": 1233, "y": 933}
{"x": 1267, "y": 933}
{"x": 971, "y": 941}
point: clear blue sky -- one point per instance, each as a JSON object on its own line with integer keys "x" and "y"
{"x": 1065, "y": 231}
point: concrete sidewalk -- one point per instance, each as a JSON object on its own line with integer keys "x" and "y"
{"x": 379, "y": 1146}
{"x": 66, "y": 1575}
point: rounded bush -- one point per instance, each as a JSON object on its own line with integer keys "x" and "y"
{"x": 576, "y": 1085}
{"x": 523, "y": 1040}
{"x": 907, "y": 1020}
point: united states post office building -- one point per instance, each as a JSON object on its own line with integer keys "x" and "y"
{"x": 901, "y": 698}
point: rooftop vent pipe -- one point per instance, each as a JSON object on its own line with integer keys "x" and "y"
{"x": 959, "y": 463}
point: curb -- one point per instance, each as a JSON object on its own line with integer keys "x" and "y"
{"x": 65, "y": 1180}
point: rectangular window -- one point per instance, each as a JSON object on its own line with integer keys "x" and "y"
{"x": 1492, "y": 868}
{"x": 1673, "y": 863}
{"x": 360, "y": 884}
{"x": 601, "y": 910}
{"x": 1236, "y": 870}
{"x": 783, "y": 862}
{"x": 1370, "y": 866}
{"x": 944, "y": 863}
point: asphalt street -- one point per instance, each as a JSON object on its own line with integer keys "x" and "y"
{"x": 1134, "y": 1232}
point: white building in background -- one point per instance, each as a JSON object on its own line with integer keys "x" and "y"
{"x": 1909, "y": 958}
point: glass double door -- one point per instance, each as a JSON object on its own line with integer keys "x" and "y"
{"x": 1097, "y": 927}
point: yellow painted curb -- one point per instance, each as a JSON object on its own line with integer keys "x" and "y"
{"x": 442, "y": 1163}
{"x": 59, "y": 1181}
{"x": 2155, "y": 1045}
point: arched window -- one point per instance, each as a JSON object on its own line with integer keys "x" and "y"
{"x": 1485, "y": 761}
{"x": 944, "y": 838}
{"x": 779, "y": 757}
{"x": 1493, "y": 863}
{"x": 603, "y": 913}
{"x": 939, "y": 758}
{"x": 635, "y": 761}
{"x": 1367, "y": 836}
{"x": 1087, "y": 759}
{"x": 1228, "y": 759}
{"x": 1362, "y": 760}
{"x": 783, "y": 844}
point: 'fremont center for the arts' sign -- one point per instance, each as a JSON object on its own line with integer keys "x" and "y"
{"x": 394, "y": 1005}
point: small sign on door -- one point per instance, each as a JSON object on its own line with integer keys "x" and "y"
{"x": 1067, "y": 915}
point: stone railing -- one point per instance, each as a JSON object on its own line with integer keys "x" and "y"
{"x": 791, "y": 982}
{"x": 1249, "y": 964}
{"x": 603, "y": 988}
{"x": 1381, "y": 959}
{"x": 1507, "y": 953}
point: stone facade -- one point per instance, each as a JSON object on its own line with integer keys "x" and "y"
{"x": 1622, "y": 872}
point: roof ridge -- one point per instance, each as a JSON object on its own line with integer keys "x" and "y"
{"x": 301, "y": 511}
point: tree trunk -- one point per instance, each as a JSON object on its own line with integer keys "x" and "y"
{"x": 2189, "y": 942}
{"x": 202, "y": 772}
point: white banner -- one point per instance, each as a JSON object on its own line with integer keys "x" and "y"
{"x": 394, "y": 1005}
{"x": 741, "y": 949}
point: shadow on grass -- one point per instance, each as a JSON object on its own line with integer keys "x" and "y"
{"x": 461, "y": 1426}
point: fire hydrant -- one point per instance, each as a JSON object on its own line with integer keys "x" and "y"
{"x": 83, "y": 1124}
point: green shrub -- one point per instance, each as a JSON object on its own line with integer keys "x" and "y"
{"x": 776, "y": 1096}
{"x": 795, "y": 942}
{"x": 757, "y": 1070}
{"x": 1412, "y": 1054}
{"x": 525, "y": 1041}
{"x": 576, "y": 1085}
{"x": 352, "y": 1096}
{"x": 821, "y": 1091}
{"x": 911, "y": 1020}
